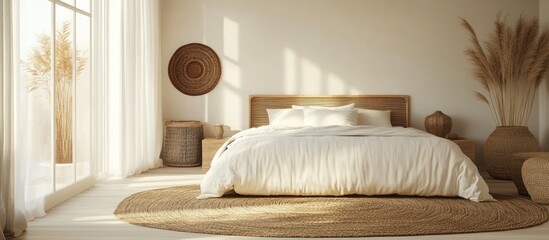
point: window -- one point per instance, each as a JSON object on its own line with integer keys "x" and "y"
{"x": 54, "y": 93}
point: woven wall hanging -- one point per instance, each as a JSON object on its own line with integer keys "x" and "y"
{"x": 194, "y": 69}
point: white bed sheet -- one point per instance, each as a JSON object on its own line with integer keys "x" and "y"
{"x": 341, "y": 160}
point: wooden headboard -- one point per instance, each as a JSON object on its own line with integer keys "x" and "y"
{"x": 398, "y": 104}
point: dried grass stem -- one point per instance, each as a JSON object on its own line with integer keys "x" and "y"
{"x": 510, "y": 68}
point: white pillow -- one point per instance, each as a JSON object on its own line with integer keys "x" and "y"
{"x": 327, "y": 117}
{"x": 285, "y": 117}
{"x": 348, "y": 106}
{"x": 381, "y": 118}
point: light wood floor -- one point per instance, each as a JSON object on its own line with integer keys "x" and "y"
{"x": 89, "y": 215}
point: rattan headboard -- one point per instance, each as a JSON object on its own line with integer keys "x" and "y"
{"x": 398, "y": 104}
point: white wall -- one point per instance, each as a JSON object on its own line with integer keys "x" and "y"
{"x": 337, "y": 47}
{"x": 181, "y": 23}
{"x": 544, "y": 88}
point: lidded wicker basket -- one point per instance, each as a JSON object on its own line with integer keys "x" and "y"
{"x": 182, "y": 145}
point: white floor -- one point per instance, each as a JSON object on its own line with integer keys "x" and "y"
{"x": 89, "y": 215}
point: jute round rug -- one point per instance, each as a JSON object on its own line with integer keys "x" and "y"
{"x": 178, "y": 209}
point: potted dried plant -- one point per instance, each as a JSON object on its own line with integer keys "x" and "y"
{"x": 39, "y": 68}
{"x": 510, "y": 67}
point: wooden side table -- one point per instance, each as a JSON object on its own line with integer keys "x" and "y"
{"x": 209, "y": 148}
{"x": 467, "y": 147}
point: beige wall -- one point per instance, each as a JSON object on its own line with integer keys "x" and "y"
{"x": 412, "y": 47}
{"x": 544, "y": 89}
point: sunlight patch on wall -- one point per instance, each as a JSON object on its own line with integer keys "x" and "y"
{"x": 230, "y": 39}
{"x": 230, "y": 99}
{"x": 303, "y": 76}
{"x": 311, "y": 77}
{"x": 232, "y": 109}
{"x": 231, "y": 74}
{"x": 290, "y": 71}
{"x": 354, "y": 91}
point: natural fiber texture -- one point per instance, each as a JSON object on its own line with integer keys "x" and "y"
{"x": 182, "y": 145}
{"x": 535, "y": 173}
{"x": 194, "y": 69}
{"x": 510, "y": 68}
{"x": 516, "y": 168}
{"x": 500, "y": 146}
{"x": 397, "y": 104}
{"x": 178, "y": 209}
{"x": 438, "y": 124}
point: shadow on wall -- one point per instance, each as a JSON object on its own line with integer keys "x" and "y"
{"x": 544, "y": 115}
{"x": 266, "y": 49}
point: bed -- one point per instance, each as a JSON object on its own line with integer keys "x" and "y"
{"x": 322, "y": 146}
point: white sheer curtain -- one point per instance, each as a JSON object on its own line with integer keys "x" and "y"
{"x": 12, "y": 222}
{"x": 126, "y": 100}
{"x": 127, "y": 68}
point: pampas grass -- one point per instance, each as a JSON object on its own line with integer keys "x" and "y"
{"x": 39, "y": 68}
{"x": 510, "y": 67}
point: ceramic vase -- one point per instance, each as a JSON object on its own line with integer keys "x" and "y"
{"x": 219, "y": 131}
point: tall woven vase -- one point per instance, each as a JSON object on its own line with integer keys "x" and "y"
{"x": 501, "y": 145}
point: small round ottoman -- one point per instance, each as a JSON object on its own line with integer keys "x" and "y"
{"x": 516, "y": 167}
{"x": 535, "y": 173}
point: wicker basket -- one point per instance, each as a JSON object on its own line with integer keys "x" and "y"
{"x": 182, "y": 145}
{"x": 535, "y": 173}
{"x": 516, "y": 168}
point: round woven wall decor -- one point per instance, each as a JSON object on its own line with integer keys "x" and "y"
{"x": 194, "y": 69}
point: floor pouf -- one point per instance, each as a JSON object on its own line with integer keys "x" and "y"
{"x": 535, "y": 173}
{"x": 516, "y": 167}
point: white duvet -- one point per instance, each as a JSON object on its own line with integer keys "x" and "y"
{"x": 338, "y": 160}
